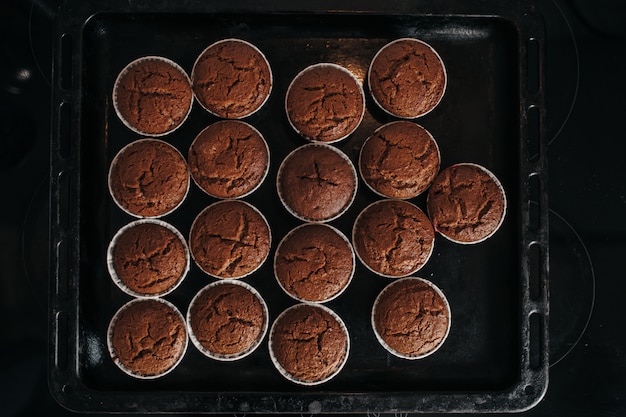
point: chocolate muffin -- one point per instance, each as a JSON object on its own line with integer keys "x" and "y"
{"x": 325, "y": 103}
{"x": 309, "y": 344}
{"x": 229, "y": 239}
{"x": 316, "y": 182}
{"x": 314, "y": 262}
{"x": 227, "y": 320}
{"x": 399, "y": 160}
{"x": 148, "y": 178}
{"x": 231, "y": 79}
{"x": 147, "y": 338}
{"x": 148, "y": 258}
{"x": 411, "y": 318}
{"x": 229, "y": 159}
{"x": 152, "y": 96}
{"x": 407, "y": 78}
{"x": 466, "y": 203}
{"x": 393, "y": 238}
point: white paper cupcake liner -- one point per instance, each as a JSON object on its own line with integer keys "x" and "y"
{"x": 432, "y": 246}
{"x": 382, "y": 341}
{"x": 123, "y": 72}
{"x": 343, "y": 69}
{"x": 261, "y": 181}
{"x": 191, "y": 230}
{"x": 111, "y": 349}
{"x": 284, "y": 372}
{"x": 445, "y": 74}
{"x": 235, "y": 356}
{"x": 120, "y": 205}
{"x": 269, "y": 93}
{"x": 327, "y": 299}
{"x": 300, "y": 216}
{"x": 367, "y": 183}
{"x": 111, "y": 266}
{"x": 500, "y": 187}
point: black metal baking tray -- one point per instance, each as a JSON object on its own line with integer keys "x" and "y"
{"x": 495, "y": 358}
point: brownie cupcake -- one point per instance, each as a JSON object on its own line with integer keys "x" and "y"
{"x": 393, "y": 238}
{"x": 316, "y": 182}
{"x": 411, "y": 318}
{"x": 466, "y": 203}
{"x": 407, "y": 78}
{"x": 325, "y": 103}
{"x": 227, "y": 320}
{"x": 148, "y": 178}
{"x": 229, "y": 239}
{"x": 309, "y": 344}
{"x": 314, "y": 262}
{"x": 147, "y": 338}
{"x": 231, "y": 79}
{"x": 399, "y": 160}
{"x": 152, "y": 96}
{"x": 229, "y": 159}
{"x": 148, "y": 258}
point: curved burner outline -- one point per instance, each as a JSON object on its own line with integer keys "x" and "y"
{"x": 576, "y": 88}
{"x": 585, "y": 253}
{"x": 50, "y": 13}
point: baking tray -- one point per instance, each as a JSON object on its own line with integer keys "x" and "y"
{"x": 496, "y": 355}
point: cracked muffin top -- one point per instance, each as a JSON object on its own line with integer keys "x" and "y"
{"x": 148, "y": 178}
{"x": 393, "y": 238}
{"x": 316, "y": 182}
{"x": 314, "y": 262}
{"x": 228, "y": 159}
{"x": 147, "y": 337}
{"x": 407, "y": 78}
{"x": 231, "y": 79}
{"x": 148, "y": 257}
{"x": 309, "y": 344}
{"x": 325, "y": 103}
{"x": 152, "y": 96}
{"x": 411, "y": 318}
{"x": 227, "y": 320}
{"x": 466, "y": 203}
{"x": 229, "y": 239}
{"x": 399, "y": 160}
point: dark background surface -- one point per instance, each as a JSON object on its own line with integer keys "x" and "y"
{"x": 586, "y": 47}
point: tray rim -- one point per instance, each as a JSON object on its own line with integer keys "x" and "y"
{"x": 65, "y": 385}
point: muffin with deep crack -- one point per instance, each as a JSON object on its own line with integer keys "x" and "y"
{"x": 407, "y": 78}
{"x": 314, "y": 262}
{"x": 148, "y": 178}
{"x": 229, "y": 239}
{"x": 466, "y": 203}
{"x": 309, "y": 344}
{"x": 147, "y": 338}
{"x": 227, "y": 320}
{"x": 411, "y": 318}
{"x": 148, "y": 258}
{"x": 152, "y": 96}
{"x": 231, "y": 79}
{"x": 399, "y": 160}
{"x": 229, "y": 159}
{"x": 393, "y": 238}
{"x": 325, "y": 103}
